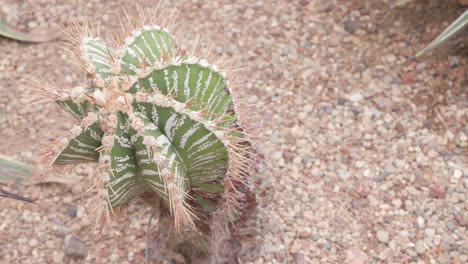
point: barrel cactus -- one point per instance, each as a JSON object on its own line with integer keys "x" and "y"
{"x": 163, "y": 126}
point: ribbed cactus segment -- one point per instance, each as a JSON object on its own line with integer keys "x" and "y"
{"x": 76, "y": 109}
{"x": 99, "y": 57}
{"x": 191, "y": 81}
{"x": 159, "y": 122}
{"x": 149, "y": 46}
{"x": 124, "y": 180}
{"x": 82, "y": 146}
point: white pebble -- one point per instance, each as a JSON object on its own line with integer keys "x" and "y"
{"x": 355, "y": 97}
{"x": 421, "y": 222}
{"x": 429, "y": 232}
{"x": 383, "y": 236}
{"x": 397, "y": 203}
{"x": 457, "y": 174}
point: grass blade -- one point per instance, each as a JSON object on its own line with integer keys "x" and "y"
{"x": 11, "y": 170}
{"x": 8, "y": 32}
{"x": 449, "y": 32}
{"x": 399, "y": 3}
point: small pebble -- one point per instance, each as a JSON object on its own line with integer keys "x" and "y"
{"x": 457, "y": 174}
{"x": 57, "y": 257}
{"x": 429, "y": 232}
{"x": 396, "y": 203}
{"x": 437, "y": 192}
{"x": 420, "y": 247}
{"x": 114, "y": 258}
{"x": 71, "y": 211}
{"x": 355, "y": 97}
{"x": 421, "y": 222}
{"x": 74, "y": 246}
{"x": 356, "y": 256}
{"x": 383, "y": 236}
{"x": 33, "y": 243}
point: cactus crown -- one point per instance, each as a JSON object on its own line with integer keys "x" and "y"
{"x": 161, "y": 123}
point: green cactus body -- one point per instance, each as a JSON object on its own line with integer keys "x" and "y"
{"x": 157, "y": 121}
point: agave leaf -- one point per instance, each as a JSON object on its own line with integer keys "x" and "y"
{"x": 449, "y": 32}
{"x": 399, "y": 3}
{"x": 60, "y": 179}
{"x": 8, "y": 32}
{"x": 11, "y": 170}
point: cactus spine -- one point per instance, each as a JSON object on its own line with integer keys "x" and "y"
{"x": 162, "y": 125}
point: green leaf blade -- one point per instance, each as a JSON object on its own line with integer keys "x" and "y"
{"x": 454, "y": 28}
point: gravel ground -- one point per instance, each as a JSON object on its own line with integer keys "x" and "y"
{"x": 368, "y": 151}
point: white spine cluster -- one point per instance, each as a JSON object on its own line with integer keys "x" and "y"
{"x": 105, "y": 178}
{"x": 138, "y": 125}
{"x": 99, "y": 97}
{"x": 104, "y": 161}
{"x": 108, "y": 142}
{"x": 63, "y": 142}
{"x": 77, "y": 94}
{"x": 75, "y": 131}
{"x": 109, "y": 123}
{"x": 89, "y": 119}
{"x": 98, "y": 82}
{"x": 149, "y": 142}
{"x": 127, "y": 82}
{"x": 116, "y": 66}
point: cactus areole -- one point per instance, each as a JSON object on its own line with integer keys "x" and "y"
{"x": 162, "y": 125}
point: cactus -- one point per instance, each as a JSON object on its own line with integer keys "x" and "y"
{"x": 163, "y": 126}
